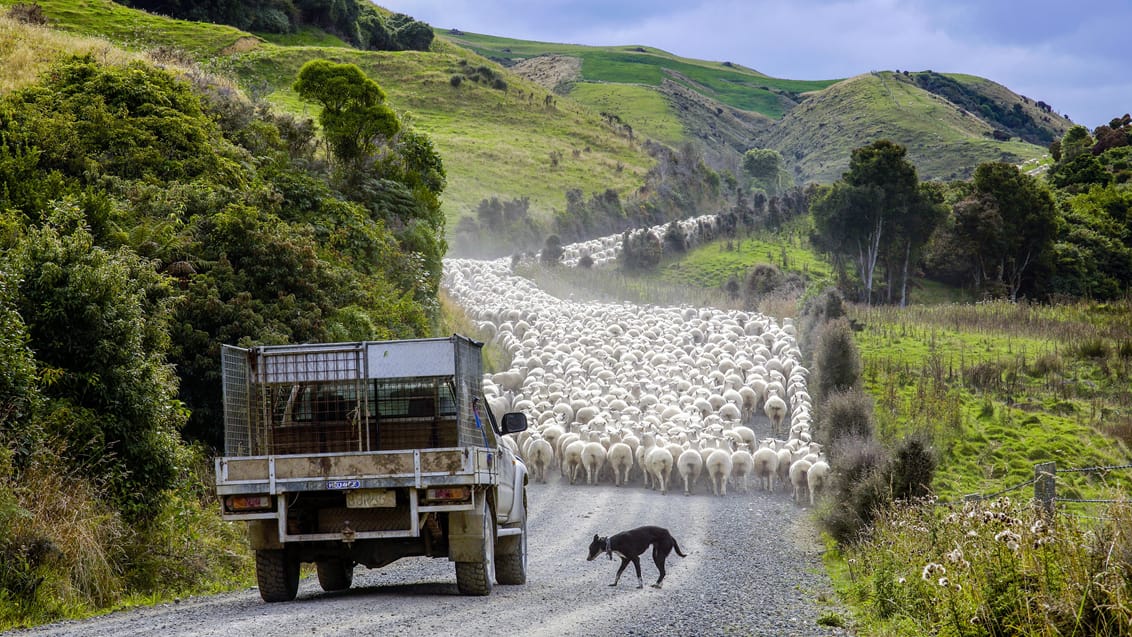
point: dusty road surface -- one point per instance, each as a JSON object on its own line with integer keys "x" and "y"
{"x": 753, "y": 568}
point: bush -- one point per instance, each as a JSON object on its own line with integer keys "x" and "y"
{"x": 844, "y": 415}
{"x": 912, "y": 468}
{"x": 456, "y": 80}
{"x": 858, "y": 487}
{"x": 1094, "y": 348}
{"x": 762, "y": 279}
{"x": 28, "y": 13}
{"x": 837, "y": 362}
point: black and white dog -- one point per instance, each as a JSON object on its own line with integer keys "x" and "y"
{"x": 628, "y": 545}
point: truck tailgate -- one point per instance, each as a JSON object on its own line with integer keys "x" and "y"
{"x": 364, "y": 470}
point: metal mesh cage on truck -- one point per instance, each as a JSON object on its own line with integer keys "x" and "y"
{"x": 347, "y": 397}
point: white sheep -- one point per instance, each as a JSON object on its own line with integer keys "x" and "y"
{"x": 742, "y": 464}
{"x": 620, "y": 458}
{"x": 765, "y": 460}
{"x": 572, "y": 459}
{"x": 718, "y": 468}
{"x": 817, "y": 478}
{"x": 798, "y": 470}
{"x": 775, "y": 409}
{"x": 690, "y": 464}
{"x": 785, "y": 459}
{"x": 540, "y": 455}
{"x": 659, "y": 463}
{"x": 593, "y": 459}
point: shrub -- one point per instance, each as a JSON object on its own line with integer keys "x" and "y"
{"x": 1124, "y": 351}
{"x": 586, "y": 262}
{"x": 28, "y": 13}
{"x": 844, "y": 415}
{"x": 1046, "y": 365}
{"x": 837, "y": 362}
{"x": 912, "y": 468}
{"x": 1094, "y": 348}
{"x": 858, "y": 487}
{"x": 763, "y": 279}
{"x": 984, "y": 376}
{"x": 456, "y": 80}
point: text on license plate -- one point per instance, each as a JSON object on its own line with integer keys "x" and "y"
{"x": 343, "y": 484}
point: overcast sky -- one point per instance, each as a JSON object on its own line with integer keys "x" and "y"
{"x": 1075, "y": 55}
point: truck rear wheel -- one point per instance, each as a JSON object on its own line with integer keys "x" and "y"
{"x": 474, "y": 578}
{"x": 335, "y": 574}
{"x": 511, "y": 561}
{"x": 277, "y": 575}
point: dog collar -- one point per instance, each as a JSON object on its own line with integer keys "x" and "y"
{"x": 609, "y": 547}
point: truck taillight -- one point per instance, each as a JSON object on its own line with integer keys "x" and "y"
{"x": 447, "y": 494}
{"x": 237, "y": 503}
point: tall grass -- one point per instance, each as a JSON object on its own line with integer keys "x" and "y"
{"x": 997, "y": 567}
{"x": 27, "y": 50}
{"x": 66, "y": 553}
{"x": 997, "y": 388}
{"x": 61, "y": 544}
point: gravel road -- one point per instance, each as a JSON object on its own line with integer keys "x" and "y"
{"x": 753, "y": 568}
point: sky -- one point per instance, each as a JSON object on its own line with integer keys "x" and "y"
{"x": 1075, "y": 55}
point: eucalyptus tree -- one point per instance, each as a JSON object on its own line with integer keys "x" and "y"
{"x": 876, "y": 208}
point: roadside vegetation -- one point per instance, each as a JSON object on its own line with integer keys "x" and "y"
{"x": 148, "y": 214}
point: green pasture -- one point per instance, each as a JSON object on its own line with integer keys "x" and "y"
{"x": 138, "y": 30}
{"x": 727, "y": 82}
{"x": 642, "y": 107}
{"x": 1000, "y": 387}
{"x": 493, "y": 142}
{"x": 712, "y": 264}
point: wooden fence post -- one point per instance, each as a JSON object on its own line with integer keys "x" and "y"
{"x": 1045, "y": 475}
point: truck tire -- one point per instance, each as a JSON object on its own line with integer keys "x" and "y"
{"x": 511, "y": 560}
{"x": 335, "y": 574}
{"x": 277, "y": 575}
{"x": 474, "y": 578}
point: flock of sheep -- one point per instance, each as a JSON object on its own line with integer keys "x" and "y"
{"x": 664, "y": 397}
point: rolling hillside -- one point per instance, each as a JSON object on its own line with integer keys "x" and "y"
{"x": 947, "y": 121}
{"x": 515, "y": 119}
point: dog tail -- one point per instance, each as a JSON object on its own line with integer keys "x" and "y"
{"x": 677, "y": 547}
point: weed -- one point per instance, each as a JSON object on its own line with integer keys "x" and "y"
{"x": 1094, "y": 348}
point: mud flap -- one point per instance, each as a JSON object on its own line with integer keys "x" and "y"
{"x": 264, "y": 534}
{"x": 465, "y": 534}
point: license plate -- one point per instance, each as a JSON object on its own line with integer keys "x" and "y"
{"x": 343, "y": 484}
{"x": 371, "y": 499}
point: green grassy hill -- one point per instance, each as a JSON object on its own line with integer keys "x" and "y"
{"x": 574, "y": 116}
{"x": 944, "y": 141}
{"x": 947, "y": 121}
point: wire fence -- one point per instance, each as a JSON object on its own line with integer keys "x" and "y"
{"x": 1045, "y": 483}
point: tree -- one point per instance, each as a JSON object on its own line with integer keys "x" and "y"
{"x": 912, "y": 227}
{"x": 765, "y": 168}
{"x": 878, "y": 197}
{"x": 355, "y": 119}
{"x": 1028, "y": 217}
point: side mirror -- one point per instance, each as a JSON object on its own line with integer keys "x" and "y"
{"x": 514, "y": 422}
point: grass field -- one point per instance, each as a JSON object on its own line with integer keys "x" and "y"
{"x": 1001, "y": 387}
{"x": 712, "y": 264}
